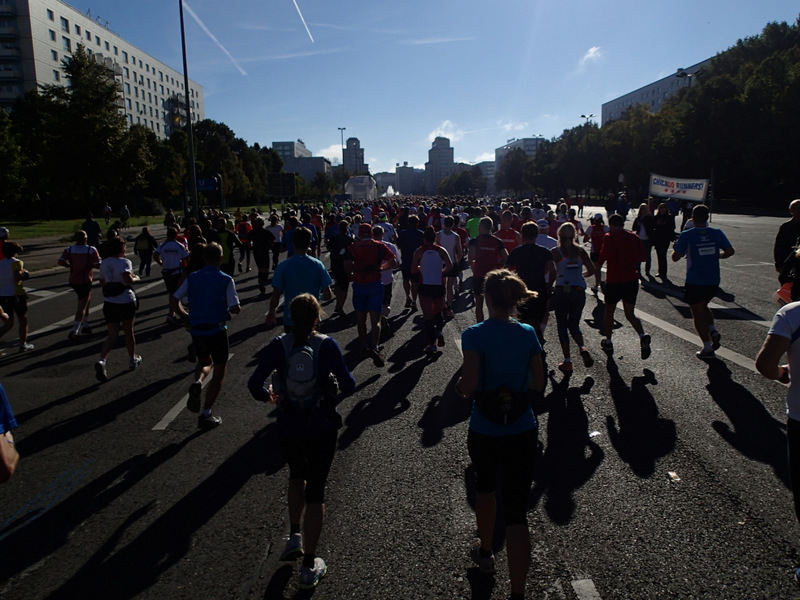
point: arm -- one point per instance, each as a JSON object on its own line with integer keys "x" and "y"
{"x": 727, "y": 252}
{"x": 587, "y": 263}
{"x": 271, "y": 318}
{"x": 537, "y": 373}
{"x": 768, "y": 359}
{"x": 266, "y": 365}
{"x": 503, "y": 256}
{"x": 470, "y": 368}
{"x": 550, "y": 267}
{"x": 448, "y": 264}
{"x": 347, "y": 384}
{"x": 415, "y": 267}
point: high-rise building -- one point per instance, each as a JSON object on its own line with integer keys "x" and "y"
{"x": 440, "y": 163}
{"x": 354, "y": 158}
{"x": 408, "y": 180}
{"x": 653, "y": 94}
{"x": 291, "y": 149}
{"x": 36, "y": 35}
{"x": 298, "y": 159}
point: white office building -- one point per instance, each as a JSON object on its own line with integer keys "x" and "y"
{"x": 36, "y": 35}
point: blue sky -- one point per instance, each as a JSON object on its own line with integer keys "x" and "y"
{"x": 396, "y": 74}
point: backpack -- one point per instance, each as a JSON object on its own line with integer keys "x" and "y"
{"x": 301, "y": 388}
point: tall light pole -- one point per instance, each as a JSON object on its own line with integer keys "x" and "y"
{"x": 587, "y": 117}
{"x": 341, "y": 131}
{"x": 192, "y": 173}
{"x": 682, "y": 74}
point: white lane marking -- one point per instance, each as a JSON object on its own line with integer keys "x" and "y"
{"x": 46, "y": 295}
{"x": 585, "y": 589}
{"x": 760, "y": 264}
{"x": 69, "y": 320}
{"x": 176, "y": 410}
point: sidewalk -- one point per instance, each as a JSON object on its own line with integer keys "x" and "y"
{"x": 40, "y": 254}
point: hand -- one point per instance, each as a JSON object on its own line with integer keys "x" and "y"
{"x": 785, "y": 376}
{"x": 271, "y": 320}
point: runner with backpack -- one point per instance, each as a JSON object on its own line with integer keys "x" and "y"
{"x": 303, "y": 363}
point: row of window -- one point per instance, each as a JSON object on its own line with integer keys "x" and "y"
{"x": 65, "y": 27}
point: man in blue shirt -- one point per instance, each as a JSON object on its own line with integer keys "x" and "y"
{"x": 703, "y": 247}
{"x": 298, "y": 274}
{"x": 212, "y": 296}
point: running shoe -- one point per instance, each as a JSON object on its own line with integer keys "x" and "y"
{"x": 172, "y": 320}
{"x": 339, "y": 311}
{"x": 72, "y": 337}
{"x": 716, "y": 338}
{"x": 25, "y": 347}
{"x": 413, "y": 306}
{"x": 645, "y": 342}
{"x": 430, "y": 349}
{"x": 209, "y": 422}
{"x": 440, "y": 340}
{"x": 485, "y": 563}
{"x": 193, "y": 404}
{"x": 594, "y": 290}
{"x": 377, "y": 357}
{"x": 293, "y": 548}
{"x": 240, "y": 267}
{"x": 705, "y": 353}
{"x": 565, "y": 367}
{"x": 588, "y": 361}
{"x": 135, "y": 362}
{"x": 100, "y": 370}
{"x": 607, "y": 345}
{"x": 191, "y": 355}
{"x": 408, "y": 302}
{"x": 310, "y": 576}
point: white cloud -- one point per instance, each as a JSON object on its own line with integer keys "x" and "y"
{"x": 447, "y": 129}
{"x": 334, "y": 151}
{"x": 511, "y": 126}
{"x": 593, "y": 54}
{"x": 484, "y": 157}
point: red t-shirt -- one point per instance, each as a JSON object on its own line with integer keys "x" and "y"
{"x": 368, "y": 256}
{"x": 488, "y": 252}
{"x": 509, "y": 238}
{"x": 622, "y": 251}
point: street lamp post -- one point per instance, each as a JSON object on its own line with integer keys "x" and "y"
{"x": 682, "y": 74}
{"x": 587, "y": 117}
{"x": 341, "y": 131}
{"x": 192, "y": 173}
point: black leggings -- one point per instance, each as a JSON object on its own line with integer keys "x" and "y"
{"x": 310, "y": 459}
{"x": 514, "y": 456}
{"x": 793, "y": 436}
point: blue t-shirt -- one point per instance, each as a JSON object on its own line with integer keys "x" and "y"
{"x": 7, "y": 419}
{"x": 297, "y": 275}
{"x": 701, "y": 245}
{"x": 506, "y": 348}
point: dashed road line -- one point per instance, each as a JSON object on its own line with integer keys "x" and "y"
{"x": 585, "y": 589}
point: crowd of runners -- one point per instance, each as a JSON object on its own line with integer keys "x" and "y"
{"x": 526, "y": 262}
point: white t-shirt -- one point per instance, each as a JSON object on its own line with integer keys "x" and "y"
{"x": 546, "y": 241}
{"x": 786, "y": 323}
{"x": 111, "y": 271}
{"x": 387, "y": 276}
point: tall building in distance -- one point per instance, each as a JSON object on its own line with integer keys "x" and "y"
{"x": 653, "y": 94}
{"x": 354, "y": 158}
{"x": 298, "y": 159}
{"x": 36, "y": 35}
{"x": 440, "y": 163}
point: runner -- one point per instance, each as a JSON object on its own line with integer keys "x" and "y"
{"x": 13, "y": 299}
{"x": 502, "y": 353}
{"x": 297, "y": 274}
{"x": 277, "y": 232}
{"x": 116, "y": 279}
{"x": 81, "y": 260}
{"x": 486, "y": 252}
{"x": 261, "y": 240}
{"x": 448, "y": 239}
{"x": 595, "y": 234}
{"x": 243, "y": 229}
{"x": 534, "y": 265}
{"x": 387, "y": 277}
{"x": 569, "y": 295}
{"x": 408, "y": 240}
{"x": 510, "y": 236}
{"x": 432, "y": 263}
{"x": 172, "y": 256}
{"x": 212, "y": 297}
{"x": 369, "y": 258}
{"x": 663, "y": 236}
{"x": 644, "y": 225}
{"x": 143, "y": 247}
{"x": 703, "y": 247}
{"x": 622, "y": 250}
{"x": 307, "y": 434}
{"x": 339, "y": 249}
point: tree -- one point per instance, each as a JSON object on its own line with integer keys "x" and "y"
{"x": 11, "y": 180}
{"x": 510, "y": 173}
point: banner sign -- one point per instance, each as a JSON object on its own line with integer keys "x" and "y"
{"x": 680, "y": 189}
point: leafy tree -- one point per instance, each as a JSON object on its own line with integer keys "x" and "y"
{"x": 11, "y": 180}
{"x": 510, "y": 174}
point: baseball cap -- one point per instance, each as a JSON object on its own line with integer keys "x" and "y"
{"x": 597, "y": 217}
{"x": 382, "y": 217}
{"x": 365, "y": 230}
{"x": 543, "y": 224}
{"x": 3, "y": 232}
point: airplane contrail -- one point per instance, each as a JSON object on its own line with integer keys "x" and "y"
{"x": 215, "y": 40}
{"x": 304, "y": 21}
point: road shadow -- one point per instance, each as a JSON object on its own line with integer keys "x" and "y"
{"x": 566, "y": 465}
{"x": 639, "y": 435}
{"x": 128, "y": 571}
{"x": 443, "y": 411}
{"x": 752, "y": 431}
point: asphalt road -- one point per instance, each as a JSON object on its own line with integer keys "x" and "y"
{"x": 663, "y": 478}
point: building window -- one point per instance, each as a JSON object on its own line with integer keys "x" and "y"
{"x": 149, "y": 98}
{"x": 133, "y": 60}
{"x": 50, "y": 15}
{"x": 116, "y": 51}
{"x": 97, "y": 40}
{"x": 108, "y": 46}
{"x": 88, "y": 35}
{"x": 128, "y": 89}
{"x": 64, "y": 25}
{"x": 140, "y": 63}
{"x": 67, "y": 43}
{"x": 135, "y": 92}
{"x": 77, "y": 29}
{"x": 52, "y": 36}
{"x": 160, "y": 76}
{"x": 125, "y": 57}
{"x": 56, "y": 76}
{"x": 128, "y": 101}
{"x": 54, "y": 55}
{"x": 127, "y": 72}
{"x": 162, "y": 90}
